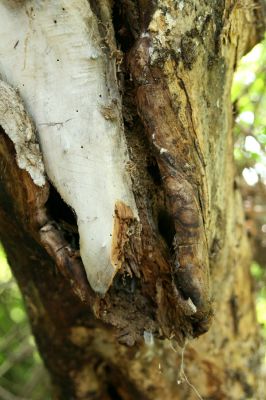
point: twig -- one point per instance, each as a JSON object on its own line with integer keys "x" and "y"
{"x": 22, "y": 352}
{"x": 15, "y": 334}
{"x": 182, "y": 376}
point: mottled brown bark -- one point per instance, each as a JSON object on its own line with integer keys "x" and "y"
{"x": 176, "y": 73}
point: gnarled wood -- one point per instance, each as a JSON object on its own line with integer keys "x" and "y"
{"x": 185, "y": 256}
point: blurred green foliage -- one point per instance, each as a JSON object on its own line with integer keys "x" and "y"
{"x": 249, "y": 102}
{"x": 259, "y": 275}
{"x": 22, "y": 374}
{"x": 249, "y": 105}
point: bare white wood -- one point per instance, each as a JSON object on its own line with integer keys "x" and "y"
{"x": 51, "y": 51}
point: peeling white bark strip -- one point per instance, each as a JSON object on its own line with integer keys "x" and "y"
{"x": 51, "y": 51}
{"x": 20, "y": 129}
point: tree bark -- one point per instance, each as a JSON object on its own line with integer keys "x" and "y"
{"x": 179, "y": 253}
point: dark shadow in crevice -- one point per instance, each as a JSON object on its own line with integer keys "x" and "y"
{"x": 154, "y": 171}
{"x": 124, "y": 31}
{"x": 112, "y": 392}
{"x": 166, "y": 228}
{"x": 64, "y": 216}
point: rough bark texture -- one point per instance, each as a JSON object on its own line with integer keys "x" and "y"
{"x": 189, "y": 261}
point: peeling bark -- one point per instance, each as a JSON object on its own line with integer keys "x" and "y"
{"x": 178, "y": 255}
{"x": 75, "y": 105}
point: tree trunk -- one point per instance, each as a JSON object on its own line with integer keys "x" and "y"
{"x": 133, "y": 242}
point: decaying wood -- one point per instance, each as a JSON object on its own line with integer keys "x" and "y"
{"x": 190, "y": 259}
{"x": 185, "y": 258}
{"x": 122, "y": 221}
